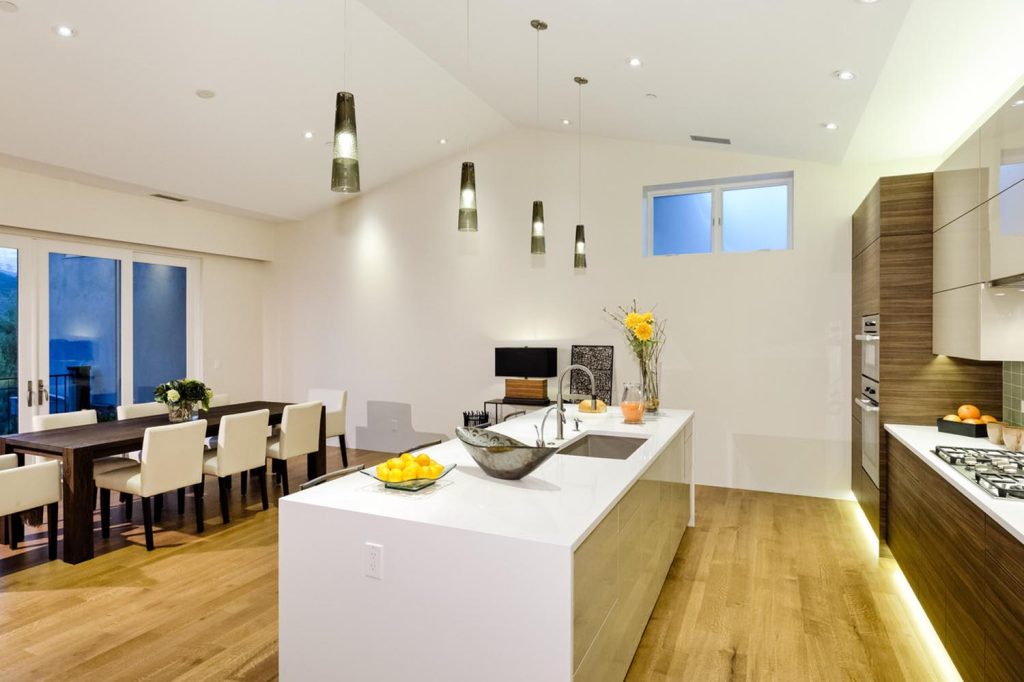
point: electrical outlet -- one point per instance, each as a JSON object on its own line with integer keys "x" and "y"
{"x": 394, "y": 425}
{"x": 374, "y": 560}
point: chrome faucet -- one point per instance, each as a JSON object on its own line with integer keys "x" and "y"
{"x": 540, "y": 431}
{"x": 561, "y": 410}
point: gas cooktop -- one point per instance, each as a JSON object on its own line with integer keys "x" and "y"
{"x": 997, "y": 472}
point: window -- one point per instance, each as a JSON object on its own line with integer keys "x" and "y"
{"x": 732, "y": 215}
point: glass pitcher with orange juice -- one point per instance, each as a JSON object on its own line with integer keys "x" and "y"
{"x": 632, "y": 403}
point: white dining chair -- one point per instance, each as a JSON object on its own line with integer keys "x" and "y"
{"x": 299, "y": 435}
{"x": 27, "y": 487}
{"x": 63, "y": 420}
{"x": 335, "y": 403}
{"x": 241, "y": 448}
{"x": 137, "y": 410}
{"x": 172, "y": 459}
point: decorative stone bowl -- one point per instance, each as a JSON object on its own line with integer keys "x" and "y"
{"x": 500, "y": 456}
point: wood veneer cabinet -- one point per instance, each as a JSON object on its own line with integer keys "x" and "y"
{"x": 967, "y": 572}
{"x": 892, "y": 277}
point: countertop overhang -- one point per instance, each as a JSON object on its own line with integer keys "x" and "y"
{"x": 559, "y": 503}
{"x": 921, "y": 440}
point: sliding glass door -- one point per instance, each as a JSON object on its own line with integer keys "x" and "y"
{"x": 87, "y": 327}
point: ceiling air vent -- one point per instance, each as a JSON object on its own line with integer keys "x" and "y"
{"x": 168, "y": 197}
{"x": 714, "y": 140}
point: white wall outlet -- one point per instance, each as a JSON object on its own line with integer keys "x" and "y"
{"x": 374, "y": 560}
{"x": 394, "y": 425}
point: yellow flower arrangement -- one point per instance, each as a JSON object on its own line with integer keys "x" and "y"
{"x": 632, "y": 320}
{"x": 643, "y": 331}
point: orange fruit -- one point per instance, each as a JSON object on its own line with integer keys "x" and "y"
{"x": 423, "y": 459}
{"x": 969, "y": 412}
{"x": 952, "y": 418}
{"x": 973, "y": 421}
{"x": 988, "y": 419}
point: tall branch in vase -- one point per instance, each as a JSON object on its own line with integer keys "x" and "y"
{"x": 646, "y": 337}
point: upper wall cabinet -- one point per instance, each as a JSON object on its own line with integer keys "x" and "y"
{"x": 1001, "y": 141}
{"x": 959, "y": 183}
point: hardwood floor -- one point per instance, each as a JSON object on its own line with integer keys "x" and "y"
{"x": 781, "y": 587}
{"x": 766, "y": 587}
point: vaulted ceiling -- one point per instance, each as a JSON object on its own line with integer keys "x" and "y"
{"x": 117, "y": 103}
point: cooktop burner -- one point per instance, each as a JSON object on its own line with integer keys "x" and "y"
{"x": 998, "y": 472}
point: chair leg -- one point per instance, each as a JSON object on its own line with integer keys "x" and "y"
{"x": 262, "y": 474}
{"x": 344, "y": 451}
{"x": 129, "y": 502}
{"x": 147, "y": 521}
{"x": 225, "y": 492}
{"x": 244, "y": 478}
{"x": 181, "y": 501}
{"x": 6, "y": 532}
{"x": 51, "y": 528}
{"x": 105, "y": 512}
{"x": 283, "y": 466}
{"x": 197, "y": 494}
{"x": 158, "y": 507}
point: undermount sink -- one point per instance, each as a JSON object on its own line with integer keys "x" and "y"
{"x": 603, "y": 447}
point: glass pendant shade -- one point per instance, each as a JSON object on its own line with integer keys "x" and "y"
{"x": 345, "y": 173}
{"x": 467, "y": 198}
{"x": 579, "y": 259}
{"x": 537, "y": 237}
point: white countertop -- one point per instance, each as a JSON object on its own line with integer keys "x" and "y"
{"x": 558, "y": 503}
{"x": 921, "y": 440}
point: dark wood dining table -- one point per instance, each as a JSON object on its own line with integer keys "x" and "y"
{"x": 78, "y": 446}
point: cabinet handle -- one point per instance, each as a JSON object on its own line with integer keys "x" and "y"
{"x": 867, "y": 337}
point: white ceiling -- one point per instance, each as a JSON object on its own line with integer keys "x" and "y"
{"x": 116, "y": 104}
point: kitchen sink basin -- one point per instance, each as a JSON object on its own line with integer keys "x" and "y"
{"x": 602, "y": 446}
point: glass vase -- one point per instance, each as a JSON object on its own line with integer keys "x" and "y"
{"x": 182, "y": 411}
{"x": 632, "y": 403}
{"x": 649, "y": 384}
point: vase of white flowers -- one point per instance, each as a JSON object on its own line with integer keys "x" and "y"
{"x": 183, "y": 397}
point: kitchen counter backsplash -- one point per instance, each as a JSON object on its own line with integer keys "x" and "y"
{"x": 1013, "y": 392}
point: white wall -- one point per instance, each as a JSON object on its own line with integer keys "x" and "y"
{"x": 383, "y": 296}
{"x": 232, "y": 287}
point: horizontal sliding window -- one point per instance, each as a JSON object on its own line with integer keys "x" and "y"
{"x": 753, "y": 213}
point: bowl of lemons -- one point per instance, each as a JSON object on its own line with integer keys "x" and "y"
{"x": 409, "y": 472}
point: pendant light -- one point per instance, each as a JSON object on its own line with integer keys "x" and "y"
{"x": 345, "y": 171}
{"x": 537, "y": 245}
{"x": 579, "y": 258}
{"x": 467, "y": 185}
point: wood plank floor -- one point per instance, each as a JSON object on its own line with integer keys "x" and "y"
{"x": 766, "y": 587}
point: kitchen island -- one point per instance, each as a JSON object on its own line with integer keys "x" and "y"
{"x": 549, "y": 578}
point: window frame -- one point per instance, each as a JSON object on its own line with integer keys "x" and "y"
{"x": 716, "y": 188}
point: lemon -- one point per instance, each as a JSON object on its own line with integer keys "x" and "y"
{"x": 406, "y": 457}
{"x": 412, "y": 469}
{"x": 395, "y": 476}
{"x": 395, "y": 463}
{"x": 423, "y": 459}
{"x": 382, "y": 471}
{"x": 436, "y": 470}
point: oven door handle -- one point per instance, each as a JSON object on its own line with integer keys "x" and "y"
{"x": 867, "y": 337}
{"x": 865, "y": 405}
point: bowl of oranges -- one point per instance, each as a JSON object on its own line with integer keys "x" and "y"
{"x": 967, "y": 421}
{"x": 409, "y": 472}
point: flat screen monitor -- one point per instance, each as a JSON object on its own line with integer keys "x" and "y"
{"x": 537, "y": 363}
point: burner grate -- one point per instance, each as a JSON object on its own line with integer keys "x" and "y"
{"x": 997, "y": 472}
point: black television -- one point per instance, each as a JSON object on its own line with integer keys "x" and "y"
{"x": 526, "y": 362}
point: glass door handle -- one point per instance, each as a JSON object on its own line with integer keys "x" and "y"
{"x": 29, "y": 392}
{"x": 44, "y": 395}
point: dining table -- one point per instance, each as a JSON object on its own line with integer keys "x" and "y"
{"x": 78, "y": 446}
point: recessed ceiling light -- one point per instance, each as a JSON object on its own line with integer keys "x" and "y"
{"x": 566, "y": 122}
{"x": 1018, "y": 103}
{"x": 8, "y": 6}
{"x": 308, "y": 134}
{"x": 635, "y": 62}
{"x": 867, "y": 2}
{"x": 205, "y": 94}
{"x": 830, "y": 126}
{"x": 844, "y": 75}
{"x": 443, "y": 140}
{"x": 65, "y": 31}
